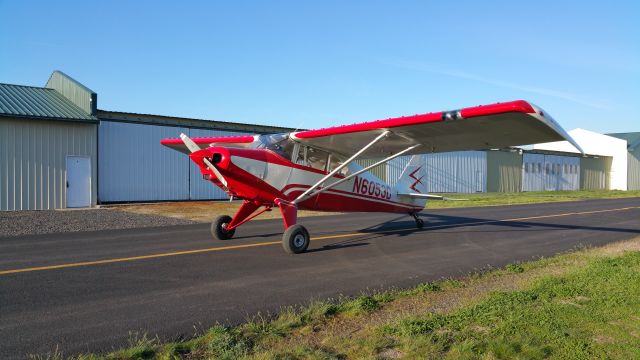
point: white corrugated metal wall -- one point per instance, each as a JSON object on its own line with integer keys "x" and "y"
{"x": 200, "y": 189}
{"x": 459, "y": 171}
{"x": 542, "y": 172}
{"x": 533, "y": 178}
{"x": 394, "y": 169}
{"x": 33, "y": 161}
{"x": 633, "y": 169}
{"x": 133, "y": 166}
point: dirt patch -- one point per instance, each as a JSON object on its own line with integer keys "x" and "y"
{"x": 202, "y": 211}
{"x": 390, "y": 354}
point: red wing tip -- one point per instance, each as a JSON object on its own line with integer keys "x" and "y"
{"x": 498, "y": 108}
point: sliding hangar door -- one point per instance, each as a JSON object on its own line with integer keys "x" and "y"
{"x": 133, "y": 166}
{"x": 542, "y": 172}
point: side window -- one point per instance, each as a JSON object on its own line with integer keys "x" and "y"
{"x": 334, "y": 162}
{"x": 302, "y": 155}
{"x": 317, "y": 159}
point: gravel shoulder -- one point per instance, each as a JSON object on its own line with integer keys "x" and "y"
{"x": 203, "y": 211}
{"x": 17, "y": 223}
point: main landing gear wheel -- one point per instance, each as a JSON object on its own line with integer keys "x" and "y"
{"x": 296, "y": 239}
{"x": 219, "y": 228}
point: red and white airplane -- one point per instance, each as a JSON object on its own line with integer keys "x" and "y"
{"x": 317, "y": 169}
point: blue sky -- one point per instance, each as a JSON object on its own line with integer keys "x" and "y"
{"x": 309, "y": 65}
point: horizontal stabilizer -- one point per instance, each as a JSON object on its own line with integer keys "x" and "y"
{"x": 431, "y": 197}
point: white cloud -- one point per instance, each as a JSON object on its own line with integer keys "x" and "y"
{"x": 425, "y": 67}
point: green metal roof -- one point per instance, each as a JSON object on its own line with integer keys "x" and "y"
{"x": 633, "y": 139}
{"x": 35, "y": 102}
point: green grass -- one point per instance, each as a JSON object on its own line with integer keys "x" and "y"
{"x": 590, "y": 313}
{"x": 492, "y": 199}
{"x": 580, "y": 305}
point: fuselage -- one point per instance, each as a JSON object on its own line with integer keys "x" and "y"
{"x": 261, "y": 175}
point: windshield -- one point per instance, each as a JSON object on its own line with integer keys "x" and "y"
{"x": 278, "y": 143}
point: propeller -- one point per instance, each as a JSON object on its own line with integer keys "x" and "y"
{"x": 193, "y": 147}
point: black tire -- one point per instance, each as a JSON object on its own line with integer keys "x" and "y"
{"x": 295, "y": 240}
{"x": 419, "y": 223}
{"x": 218, "y": 228}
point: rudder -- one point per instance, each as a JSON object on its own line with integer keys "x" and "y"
{"x": 413, "y": 179}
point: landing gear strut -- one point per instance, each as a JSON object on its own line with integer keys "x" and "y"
{"x": 419, "y": 222}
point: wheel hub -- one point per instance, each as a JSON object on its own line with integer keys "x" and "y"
{"x": 298, "y": 240}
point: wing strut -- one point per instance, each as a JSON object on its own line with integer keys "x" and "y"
{"x": 341, "y": 166}
{"x": 307, "y": 194}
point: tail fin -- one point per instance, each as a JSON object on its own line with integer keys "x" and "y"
{"x": 412, "y": 182}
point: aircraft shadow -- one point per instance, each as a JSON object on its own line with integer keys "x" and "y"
{"x": 404, "y": 226}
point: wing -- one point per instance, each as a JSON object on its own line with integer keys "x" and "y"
{"x": 476, "y": 128}
{"x": 205, "y": 142}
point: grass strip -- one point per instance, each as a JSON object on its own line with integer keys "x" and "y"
{"x": 535, "y": 197}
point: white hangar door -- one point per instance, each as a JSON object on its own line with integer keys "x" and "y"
{"x": 550, "y": 172}
{"x": 78, "y": 181}
{"x": 133, "y": 166}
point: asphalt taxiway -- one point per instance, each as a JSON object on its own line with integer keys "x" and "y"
{"x": 89, "y": 291}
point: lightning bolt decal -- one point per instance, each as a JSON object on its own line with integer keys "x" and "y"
{"x": 417, "y": 181}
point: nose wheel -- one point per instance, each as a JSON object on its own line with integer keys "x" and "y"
{"x": 219, "y": 228}
{"x": 295, "y": 239}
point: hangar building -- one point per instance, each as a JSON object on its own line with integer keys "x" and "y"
{"x": 598, "y": 145}
{"x": 58, "y": 150}
{"x": 48, "y": 145}
{"x": 508, "y": 170}
{"x": 633, "y": 158}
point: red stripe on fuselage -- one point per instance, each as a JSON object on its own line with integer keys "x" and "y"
{"x": 346, "y": 194}
{"x": 330, "y": 201}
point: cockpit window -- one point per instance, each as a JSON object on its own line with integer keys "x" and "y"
{"x": 334, "y": 162}
{"x": 282, "y": 145}
{"x": 316, "y": 159}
